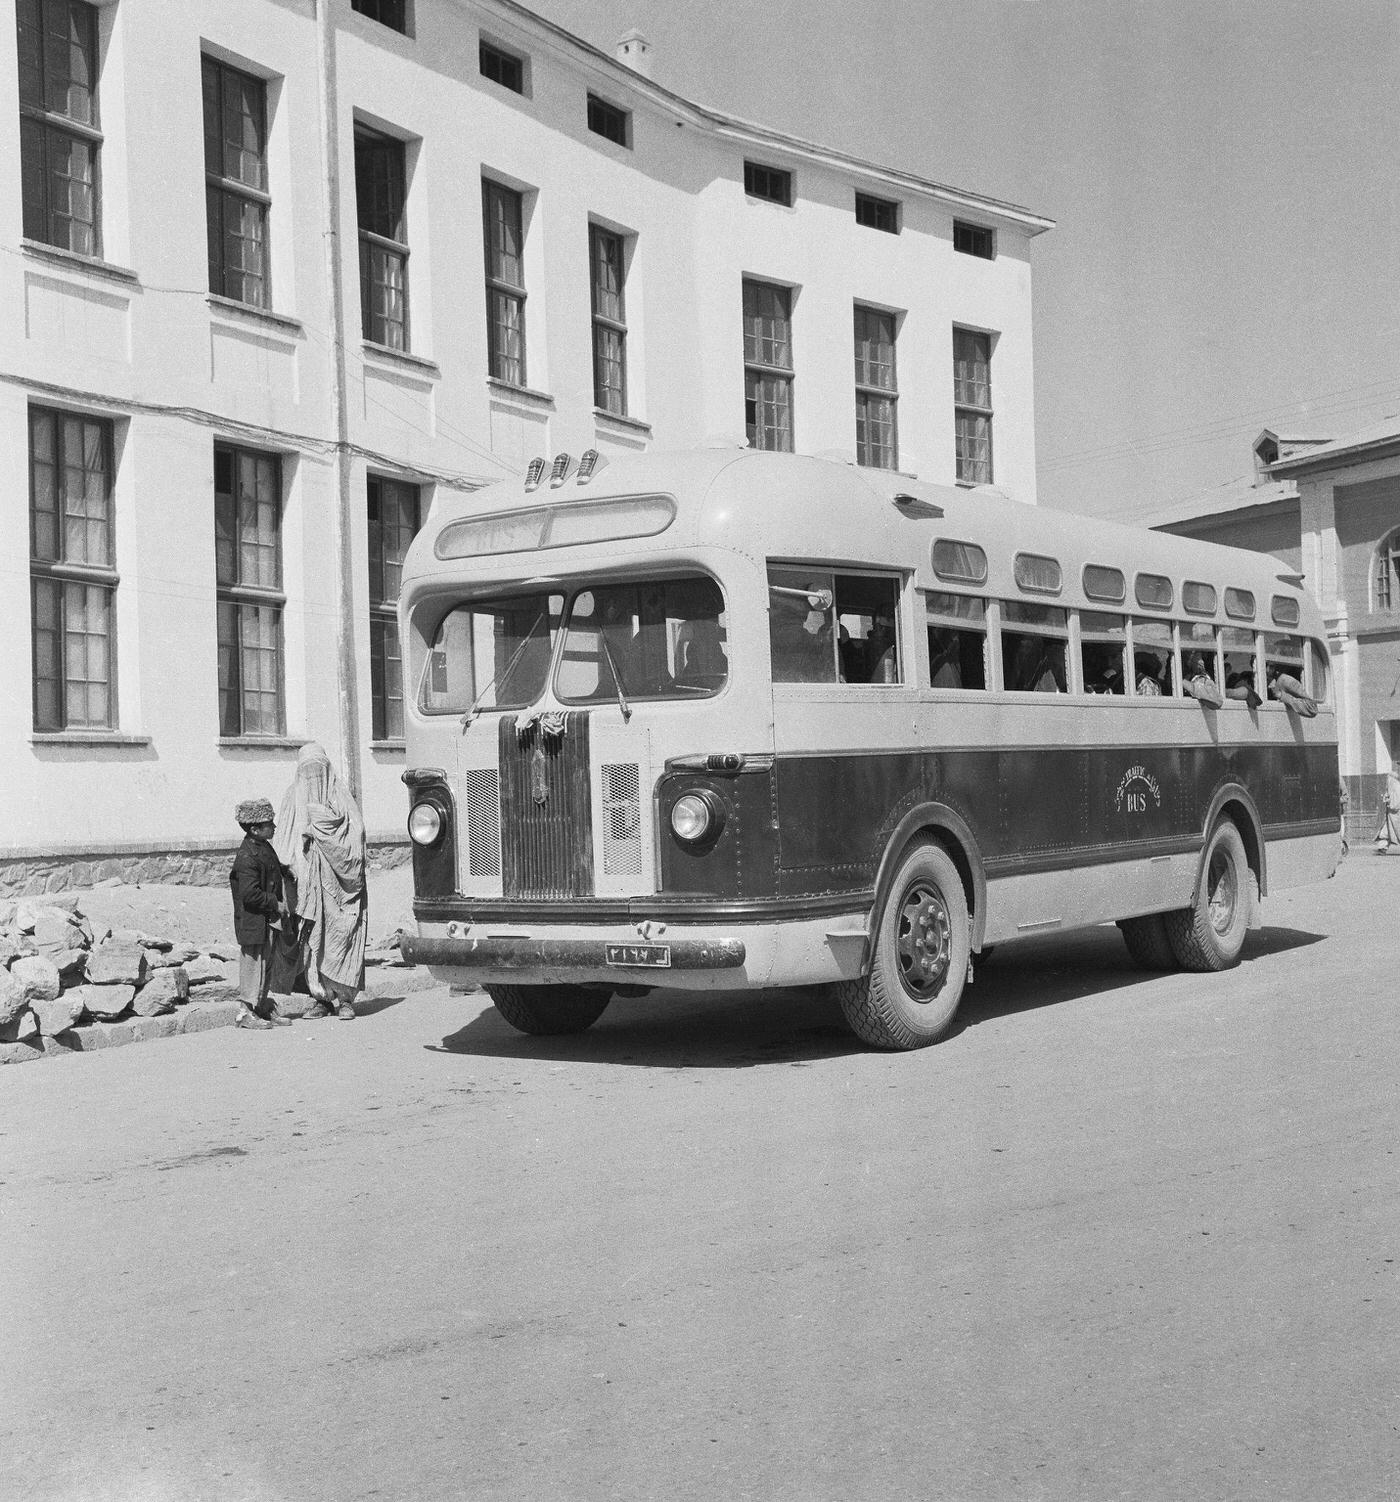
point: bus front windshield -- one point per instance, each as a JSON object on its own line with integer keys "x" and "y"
{"x": 491, "y": 654}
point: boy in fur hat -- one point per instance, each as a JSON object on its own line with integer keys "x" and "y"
{"x": 256, "y": 879}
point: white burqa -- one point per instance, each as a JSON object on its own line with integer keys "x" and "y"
{"x": 321, "y": 841}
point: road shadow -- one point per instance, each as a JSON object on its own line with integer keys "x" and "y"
{"x": 367, "y": 1006}
{"x": 734, "y": 1030}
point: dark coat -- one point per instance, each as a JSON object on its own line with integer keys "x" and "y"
{"x": 256, "y": 879}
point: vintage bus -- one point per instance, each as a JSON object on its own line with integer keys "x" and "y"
{"x": 738, "y": 720}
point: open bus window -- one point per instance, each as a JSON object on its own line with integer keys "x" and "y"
{"x": 1152, "y": 658}
{"x": 490, "y": 654}
{"x": 1197, "y": 657}
{"x": 957, "y": 641}
{"x": 1321, "y": 664}
{"x": 1283, "y": 665}
{"x": 663, "y": 639}
{"x": 825, "y": 627}
{"x": 1034, "y": 640}
{"x": 1103, "y": 650}
{"x": 1237, "y": 654}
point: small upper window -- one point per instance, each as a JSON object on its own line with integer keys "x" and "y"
{"x": 877, "y": 213}
{"x": 772, "y": 183}
{"x": 1035, "y": 572}
{"x": 1285, "y": 610}
{"x": 1199, "y": 599}
{"x": 974, "y": 240}
{"x": 1104, "y": 583}
{"x": 1154, "y": 591}
{"x": 959, "y": 562}
{"x": 503, "y": 67}
{"x": 390, "y": 13}
{"x": 609, "y": 121}
{"x": 1239, "y": 603}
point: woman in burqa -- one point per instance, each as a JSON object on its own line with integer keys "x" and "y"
{"x": 321, "y": 841}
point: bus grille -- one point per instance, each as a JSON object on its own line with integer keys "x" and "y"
{"x": 622, "y": 824}
{"x": 483, "y": 823}
{"x": 546, "y": 810}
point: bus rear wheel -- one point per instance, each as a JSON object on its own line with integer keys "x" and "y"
{"x": 1209, "y": 934}
{"x": 919, "y": 957}
{"x": 545, "y": 1011}
{"x": 1148, "y": 941}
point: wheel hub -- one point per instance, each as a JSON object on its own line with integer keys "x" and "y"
{"x": 923, "y": 942}
{"x": 1223, "y": 893}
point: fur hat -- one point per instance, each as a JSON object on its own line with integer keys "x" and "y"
{"x": 254, "y": 811}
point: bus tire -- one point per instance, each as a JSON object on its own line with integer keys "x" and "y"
{"x": 1148, "y": 941}
{"x": 545, "y": 1011}
{"x": 1209, "y": 934}
{"x": 919, "y": 957}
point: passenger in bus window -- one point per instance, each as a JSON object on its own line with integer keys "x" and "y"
{"x": 801, "y": 634}
{"x": 1288, "y": 691}
{"x": 1035, "y": 664}
{"x": 1198, "y": 678}
{"x": 880, "y": 652}
{"x": 1103, "y": 668}
{"x": 1148, "y": 669}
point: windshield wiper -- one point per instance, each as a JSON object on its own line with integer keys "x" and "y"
{"x": 622, "y": 703}
{"x": 504, "y": 677}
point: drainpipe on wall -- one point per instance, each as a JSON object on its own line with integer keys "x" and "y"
{"x": 346, "y": 664}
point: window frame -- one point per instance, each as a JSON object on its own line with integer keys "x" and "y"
{"x": 49, "y": 126}
{"x": 383, "y": 604}
{"x": 974, "y": 235}
{"x": 494, "y": 54}
{"x": 498, "y": 287}
{"x": 764, "y": 376}
{"x": 221, "y": 189}
{"x": 869, "y": 393}
{"x": 393, "y": 249}
{"x": 875, "y": 209}
{"x": 769, "y": 184}
{"x": 239, "y": 595}
{"x": 373, "y": 10}
{"x": 62, "y": 574}
{"x": 967, "y": 464}
{"x": 608, "y": 323}
{"x": 603, "y": 113}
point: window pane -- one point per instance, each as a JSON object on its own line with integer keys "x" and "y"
{"x": 960, "y": 562}
{"x": 802, "y": 625}
{"x": 768, "y": 411}
{"x": 974, "y": 448}
{"x": 506, "y": 336}
{"x": 493, "y": 654}
{"x": 72, "y": 219}
{"x": 874, "y": 334}
{"x": 972, "y": 378}
{"x": 380, "y": 185}
{"x": 504, "y": 234}
{"x": 48, "y": 681}
{"x": 767, "y": 325}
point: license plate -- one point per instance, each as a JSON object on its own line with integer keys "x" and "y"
{"x": 645, "y": 956}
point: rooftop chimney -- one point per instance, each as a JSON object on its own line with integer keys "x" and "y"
{"x": 634, "y": 50}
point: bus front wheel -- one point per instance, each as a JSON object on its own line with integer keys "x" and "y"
{"x": 919, "y": 957}
{"x": 1209, "y": 934}
{"x": 1148, "y": 941}
{"x": 544, "y": 1011}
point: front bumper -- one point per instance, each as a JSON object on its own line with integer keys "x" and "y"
{"x": 522, "y": 953}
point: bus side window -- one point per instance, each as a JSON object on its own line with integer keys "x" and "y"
{"x": 1034, "y": 640}
{"x": 1283, "y": 665}
{"x": 957, "y": 641}
{"x": 1152, "y": 658}
{"x": 1103, "y": 643}
{"x": 1237, "y": 651}
{"x": 867, "y": 614}
{"x": 802, "y": 625}
{"x": 1197, "y": 654}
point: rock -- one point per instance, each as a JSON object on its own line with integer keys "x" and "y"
{"x": 9, "y": 949}
{"x": 223, "y": 952}
{"x": 218, "y": 990}
{"x": 177, "y": 954}
{"x": 13, "y": 999}
{"x": 115, "y": 963}
{"x": 8, "y": 909}
{"x": 150, "y": 941}
{"x": 21, "y": 1025}
{"x": 56, "y": 1014}
{"x": 291, "y": 1003}
{"x": 165, "y": 990}
{"x": 71, "y": 965}
{"x": 104, "y": 1002}
{"x": 109, "y": 881}
{"x": 206, "y": 969}
{"x": 124, "y": 936}
{"x": 67, "y": 900}
{"x": 38, "y": 976}
{"x": 55, "y": 931}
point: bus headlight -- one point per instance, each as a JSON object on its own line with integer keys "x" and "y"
{"x": 697, "y": 816}
{"x": 424, "y": 824}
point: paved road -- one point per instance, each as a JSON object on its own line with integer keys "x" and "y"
{"x": 1120, "y": 1237}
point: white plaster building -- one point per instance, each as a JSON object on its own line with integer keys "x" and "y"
{"x": 249, "y": 252}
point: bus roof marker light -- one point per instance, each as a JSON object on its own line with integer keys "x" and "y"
{"x": 912, "y": 505}
{"x": 563, "y": 465}
{"x": 534, "y": 474}
{"x": 589, "y": 464}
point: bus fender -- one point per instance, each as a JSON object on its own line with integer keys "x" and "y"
{"x": 935, "y": 817}
{"x": 1252, "y": 832}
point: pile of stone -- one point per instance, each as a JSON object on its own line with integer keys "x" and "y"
{"x": 56, "y": 973}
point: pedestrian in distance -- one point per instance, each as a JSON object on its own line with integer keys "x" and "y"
{"x": 258, "y": 911}
{"x": 1387, "y": 830}
{"x": 322, "y": 844}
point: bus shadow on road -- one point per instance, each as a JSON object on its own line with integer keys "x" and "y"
{"x": 730, "y": 1030}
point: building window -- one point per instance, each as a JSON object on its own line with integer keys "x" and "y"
{"x": 606, "y": 263}
{"x": 393, "y": 520}
{"x": 59, "y": 138}
{"x": 609, "y": 120}
{"x": 877, "y": 437}
{"x": 502, "y": 67}
{"x": 972, "y": 405}
{"x": 72, "y": 570}
{"x": 1387, "y": 574}
{"x": 974, "y": 240}
{"x": 877, "y": 213}
{"x": 503, "y": 212}
{"x": 235, "y": 182}
{"x": 768, "y": 366}
{"x": 248, "y": 578}
{"x": 390, "y": 13}
{"x": 772, "y": 183}
{"x": 381, "y": 191}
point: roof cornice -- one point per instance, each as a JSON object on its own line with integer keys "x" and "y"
{"x": 748, "y": 133}
{"x": 1340, "y": 458}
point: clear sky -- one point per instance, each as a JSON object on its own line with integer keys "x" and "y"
{"x": 1225, "y": 177}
